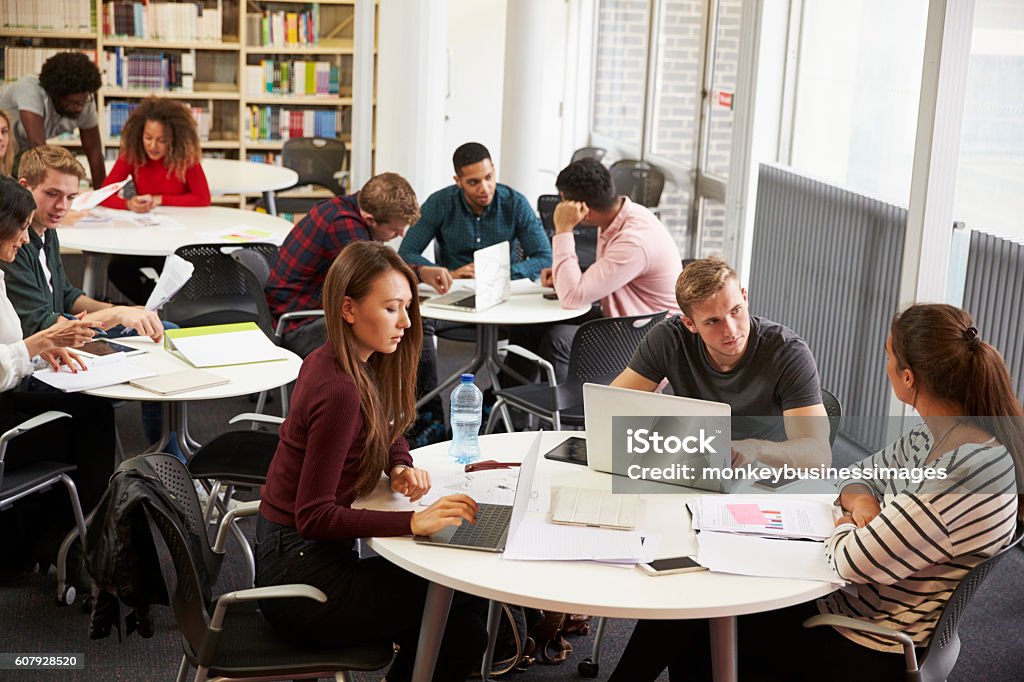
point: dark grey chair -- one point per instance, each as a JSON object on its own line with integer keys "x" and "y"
{"x": 588, "y": 153}
{"x": 939, "y": 657}
{"x": 585, "y": 236}
{"x": 834, "y": 409}
{"x": 227, "y": 636}
{"x": 319, "y": 161}
{"x": 638, "y": 180}
{"x": 38, "y": 477}
{"x": 600, "y": 351}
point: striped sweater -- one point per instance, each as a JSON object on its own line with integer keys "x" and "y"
{"x": 904, "y": 565}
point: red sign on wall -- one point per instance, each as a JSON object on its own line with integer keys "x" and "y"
{"x": 725, "y": 99}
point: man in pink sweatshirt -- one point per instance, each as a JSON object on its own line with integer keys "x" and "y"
{"x": 637, "y": 260}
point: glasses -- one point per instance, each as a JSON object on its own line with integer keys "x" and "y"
{"x": 75, "y": 103}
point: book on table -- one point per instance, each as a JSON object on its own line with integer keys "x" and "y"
{"x": 223, "y": 344}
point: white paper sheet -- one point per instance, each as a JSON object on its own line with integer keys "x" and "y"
{"x": 243, "y": 234}
{"x": 93, "y": 198}
{"x": 764, "y": 557}
{"x": 787, "y": 517}
{"x": 491, "y": 486}
{"x": 105, "y": 371}
{"x": 537, "y": 540}
{"x": 231, "y": 348}
{"x": 177, "y": 271}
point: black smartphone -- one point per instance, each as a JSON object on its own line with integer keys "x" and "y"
{"x": 572, "y": 450}
{"x": 128, "y": 191}
{"x": 551, "y": 297}
{"x": 679, "y": 564}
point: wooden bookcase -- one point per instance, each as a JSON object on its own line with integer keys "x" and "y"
{"x": 223, "y": 75}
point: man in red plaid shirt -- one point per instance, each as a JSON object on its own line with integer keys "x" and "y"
{"x": 382, "y": 210}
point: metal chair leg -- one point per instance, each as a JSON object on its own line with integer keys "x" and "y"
{"x": 492, "y": 418}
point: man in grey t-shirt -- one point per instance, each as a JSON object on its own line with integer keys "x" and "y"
{"x": 61, "y": 98}
{"x": 717, "y": 351}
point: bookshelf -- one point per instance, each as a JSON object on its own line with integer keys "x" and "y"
{"x": 254, "y": 72}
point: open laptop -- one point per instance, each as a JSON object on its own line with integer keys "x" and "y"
{"x": 602, "y": 403}
{"x": 495, "y": 523}
{"x": 493, "y": 282}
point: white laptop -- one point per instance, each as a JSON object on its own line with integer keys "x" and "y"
{"x": 602, "y": 403}
{"x": 495, "y": 523}
{"x": 493, "y": 282}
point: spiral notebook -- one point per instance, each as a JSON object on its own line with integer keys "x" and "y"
{"x": 179, "y": 382}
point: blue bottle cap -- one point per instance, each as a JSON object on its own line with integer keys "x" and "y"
{"x": 467, "y": 378}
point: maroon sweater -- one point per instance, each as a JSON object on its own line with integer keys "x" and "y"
{"x": 311, "y": 481}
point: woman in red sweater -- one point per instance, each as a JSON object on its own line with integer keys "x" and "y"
{"x": 353, "y": 400}
{"x": 160, "y": 152}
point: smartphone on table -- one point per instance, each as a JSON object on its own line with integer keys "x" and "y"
{"x": 679, "y": 564}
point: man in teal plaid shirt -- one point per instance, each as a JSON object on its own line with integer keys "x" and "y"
{"x": 474, "y": 213}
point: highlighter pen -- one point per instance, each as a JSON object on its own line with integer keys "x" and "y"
{"x": 100, "y": 334}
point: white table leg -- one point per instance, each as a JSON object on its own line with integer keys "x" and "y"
{"x": 724, "y": 664}
{"x": 435, "y": 616}
{"x": 94, "y": 277}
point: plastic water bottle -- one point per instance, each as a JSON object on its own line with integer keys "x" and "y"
{"x": 466, "y": 414}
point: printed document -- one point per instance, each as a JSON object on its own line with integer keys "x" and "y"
{"x": 538, "y": 540}
{"x": 106, "y": 371}
{"x": 764, "y": 557}
{"x": 177, "y": 271}
{"x": 775, "y": 516}
{"x": 93, "y": 198}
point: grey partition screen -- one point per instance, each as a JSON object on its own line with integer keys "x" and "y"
{"x": 993, "y": 291}
{"x": 826, "y": 263}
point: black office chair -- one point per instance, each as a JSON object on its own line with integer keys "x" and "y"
{"x": 319, "y": 161}
{"x": 834, "y": 409}
{"x": 38, "y": 477}
{"x": 939, "y": 657}
{"x": 588, "y": 153}
{"x": 585, "y": 236}
{"x": 220, "y": 290}
{"x": 600, "y": 351}
{"x": 638, "y": 180}
{"x": 235, "y": 641}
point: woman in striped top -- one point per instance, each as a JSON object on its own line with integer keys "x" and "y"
{"x": 902, "y": 546}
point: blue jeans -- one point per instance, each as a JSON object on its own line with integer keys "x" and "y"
{"x": 152, "y": 413}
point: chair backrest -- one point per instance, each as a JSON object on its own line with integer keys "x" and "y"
{"x": 944, "y": 646}
{"x": 603, "y": 348}
{"x": 221, "y": 290}
{"x": 638, "y": 180}
{"x": 834, "y": 410}
{"x": 257, "y": 264}
{"x": 316, "y": 160}
{"x": 588, "y": 153}
{"x": 585, "y": 236}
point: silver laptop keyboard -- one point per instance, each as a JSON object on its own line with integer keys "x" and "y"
{"x": 491, "y": 522}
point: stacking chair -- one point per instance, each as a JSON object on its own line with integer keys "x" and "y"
{"x": 834, "y": 409}
{"x": 227, "y": 637}
{"x": 939, "y": 657}
{"x": 256, "y": 263}
{"x": 638, "y": 180}
{"x": 588, "y": 153}
{"x": 219, "y": 291}
{"x": 600, "y": 351}
{"x": 38, "y": 477}
{"x": 318, "y": 161}
{"x": 584, "y": 235}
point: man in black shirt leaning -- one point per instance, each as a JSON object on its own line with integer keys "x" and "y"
{"x": 717, "y": 351}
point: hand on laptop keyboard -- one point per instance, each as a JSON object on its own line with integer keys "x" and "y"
{"x": 448, "y": 511}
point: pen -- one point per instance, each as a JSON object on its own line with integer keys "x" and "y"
{"x": 99, "y": 332}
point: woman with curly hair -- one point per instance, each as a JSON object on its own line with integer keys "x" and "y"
{"x": 160, "y": 152}
{"x": 8, "y": 145}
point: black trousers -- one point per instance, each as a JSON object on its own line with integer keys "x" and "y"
{"x": 368, "y": 601}
{"x": 773, "y": 646}
{"x": 86, "y": 440}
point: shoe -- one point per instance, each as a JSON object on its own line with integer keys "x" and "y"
{"x": 106, "y": 614}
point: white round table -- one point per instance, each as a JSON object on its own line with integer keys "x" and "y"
{"x": 121, "y": 237}
{"x": 580, "y": 587}
{"x": 231, "y": 176}
{"x": 519, "y": 309}
{"x": 242, "y": 380}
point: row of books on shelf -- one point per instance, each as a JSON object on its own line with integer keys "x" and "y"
{"x": 268, "y": 123}
{"x": 27, "y": 61}
{"x": 172, "y": 71}
{"x": 47, "y": 15}
{"x": 284, "y": 29}
{"x": 273, "y": 76}
{"x": 117, "y": 114}
{"x": 269, "y": 158}
{"x": 179, "y": 22}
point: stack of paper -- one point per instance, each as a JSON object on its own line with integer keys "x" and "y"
{"x": 223, "y": 344}
{"x": 537, "y": 540}
{"x": 764, "y": 557}
{"x": 105, "y": 371}
{"x": 775, "y": 516}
